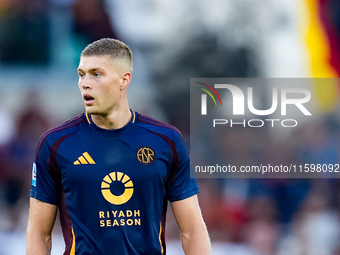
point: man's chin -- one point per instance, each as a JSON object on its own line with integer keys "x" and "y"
{"x": 91, "y": 111}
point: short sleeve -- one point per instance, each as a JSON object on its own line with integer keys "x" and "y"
{"x": 181, "y": 184}
{"x": 46, "y": 178}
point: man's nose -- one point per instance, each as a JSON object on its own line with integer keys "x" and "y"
{"x": 85, "y": 82}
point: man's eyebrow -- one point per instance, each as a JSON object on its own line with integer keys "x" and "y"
{"x": 90, "y": 70}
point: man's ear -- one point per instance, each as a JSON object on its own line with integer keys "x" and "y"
{"x": 126, "y": 79}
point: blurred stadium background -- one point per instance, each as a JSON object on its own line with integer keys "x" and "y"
{"x": 40, "y": 42}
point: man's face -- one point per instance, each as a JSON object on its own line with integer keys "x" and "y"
{"x": 100, "y": 84}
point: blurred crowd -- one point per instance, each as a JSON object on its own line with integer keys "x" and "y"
{"x": 16, "y": 153}
{"x": 175, "y": 41}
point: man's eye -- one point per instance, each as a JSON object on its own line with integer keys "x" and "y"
{"x": 81, "y": 75}
{"x": 97, "y": 74}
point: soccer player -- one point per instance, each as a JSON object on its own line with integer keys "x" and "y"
{"x": 111, "y": 171}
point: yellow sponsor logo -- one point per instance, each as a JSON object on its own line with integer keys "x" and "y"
{"x": 145, "y": 155}
{"x": 115, "y": 178}
{"x": 119, "y": 218}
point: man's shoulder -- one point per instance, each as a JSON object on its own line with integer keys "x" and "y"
{"x": 65, "y": 128}
{"x": 158, "y": 127}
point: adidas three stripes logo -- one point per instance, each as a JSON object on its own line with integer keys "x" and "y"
{"x": 84, "y": 159}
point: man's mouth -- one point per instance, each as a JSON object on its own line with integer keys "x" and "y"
{"x": 89, "y": 100}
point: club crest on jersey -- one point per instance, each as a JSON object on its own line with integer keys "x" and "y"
{"x": 145, "y": 155}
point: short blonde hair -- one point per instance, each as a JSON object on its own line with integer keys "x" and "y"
{"x": 116, "y": 49}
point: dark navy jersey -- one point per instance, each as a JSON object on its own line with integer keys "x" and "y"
{"x": 112, "y": 186}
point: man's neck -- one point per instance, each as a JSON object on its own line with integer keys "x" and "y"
{"x": 114, "y": 120}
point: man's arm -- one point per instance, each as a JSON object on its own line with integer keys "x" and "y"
{"x": 40, "y": 224}
{"x": 194, "y": 234}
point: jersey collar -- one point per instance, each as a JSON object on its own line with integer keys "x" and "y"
{"x": 111, "y": 132}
